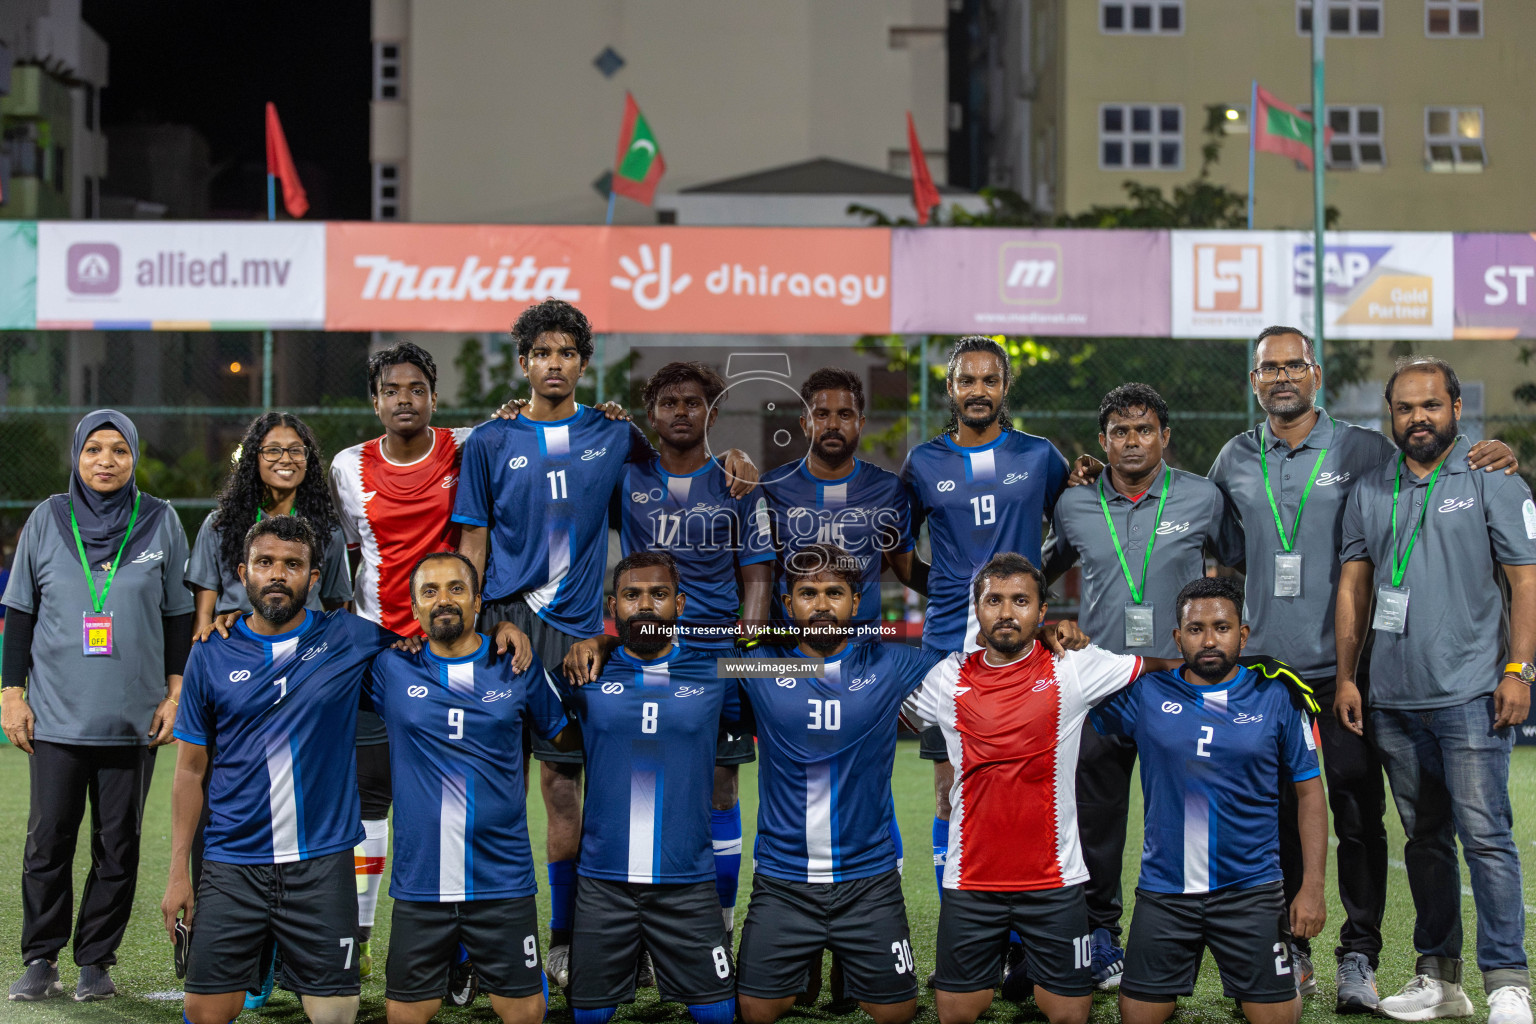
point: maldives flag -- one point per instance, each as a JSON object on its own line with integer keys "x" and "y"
{"x": 280, "y": 163}
{"x": 1280, "y": 128}
{"x": 924, "y": 195}
{"x": 638, "y": 167}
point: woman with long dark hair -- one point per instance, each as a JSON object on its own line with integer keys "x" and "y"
{"x": 97, "y": 634}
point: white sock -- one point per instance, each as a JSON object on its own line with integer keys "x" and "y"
{"x": 368, "y": 859}
{"x": 729, "y": 914}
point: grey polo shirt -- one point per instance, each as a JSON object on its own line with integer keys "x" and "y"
{"x": 1455, "y": 645}
{"x": 1195, "y": 520}
{"x": 108, "y": 700}
{"x": 205, "y": 573}
{"x": 1298, "y": 630}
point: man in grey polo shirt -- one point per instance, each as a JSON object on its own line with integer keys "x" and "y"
{"x": 1428, "y": 539}
{"x": 1141, "y": 532}
{"x": 1291, "y": 505}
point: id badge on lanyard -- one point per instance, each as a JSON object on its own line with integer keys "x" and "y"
{"x": 97, "y": 634}
{"x": 1391, "y": 609}
{"x": 1138, "y": 625}
{"x": 1287, "y": 574}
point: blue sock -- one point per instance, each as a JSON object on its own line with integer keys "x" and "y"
{"x": 725, "y": 831}
{"x": 602, "y": 1016}
{"x": 940, "y": 850}
{"x": 722, "y": 1012}
{"x": 562, "y": 898}
{"x": 461, "y": 955}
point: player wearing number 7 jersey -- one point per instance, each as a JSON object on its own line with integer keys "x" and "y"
{"x": 1217, "y": 742}
{"x": 463, "y": 871}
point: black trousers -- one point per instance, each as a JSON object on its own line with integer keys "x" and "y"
{"x": 1357, "y": 800}
{"x": 116, "y": 781}
{"x": 1104, "y": 768}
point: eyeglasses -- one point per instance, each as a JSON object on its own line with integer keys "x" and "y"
{"x": 273, "y": 453}
{"x": 1292, "y": 371}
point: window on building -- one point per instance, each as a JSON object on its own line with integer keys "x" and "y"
{"x": 1141, "y": 136}
{"x": 1345, "y": 17}
{"x": 387, "y": 203}
{"x": 1356, "y": 144}
{"x": 1453, "y": 139}
{"x": 1165, "y": 17}
{"x": 904, "y": 37}
{"x": 1453, "y": 18}
{"x": 386, "y": 71}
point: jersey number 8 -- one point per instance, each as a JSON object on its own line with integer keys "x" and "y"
{"x": 648, "y": 712}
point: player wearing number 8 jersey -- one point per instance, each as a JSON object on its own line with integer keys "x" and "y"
{"x": 463, "y": 871}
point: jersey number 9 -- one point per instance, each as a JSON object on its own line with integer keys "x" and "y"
{"x": 455, "y": 723}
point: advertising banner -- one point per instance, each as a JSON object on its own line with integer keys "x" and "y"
{"x": 670, "y": 279}
{"x": 18, "y": 274}
{"x": 179, "y": 275}
{"x": 999, "y": 281}
{"x": 1495, "y": 286}
{"x": 1225, "y": 284}
{"x": 1376, "y": 285}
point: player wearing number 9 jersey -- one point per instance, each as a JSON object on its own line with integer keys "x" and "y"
{"x": 646, "y": 875}
{"x": 463, "y": 870}
{"x": 825, "y": 863}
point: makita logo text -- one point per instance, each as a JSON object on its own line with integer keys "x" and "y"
{"x": 505, "y": 281}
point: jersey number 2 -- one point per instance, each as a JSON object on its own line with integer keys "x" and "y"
{"x": 1206, "y": 735}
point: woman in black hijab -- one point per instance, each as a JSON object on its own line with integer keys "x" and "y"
{"x": 98, "y": 627}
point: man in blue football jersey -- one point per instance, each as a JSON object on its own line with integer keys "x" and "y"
{"x": 270, "y": 699}
{"x": 1217, "y": 742}
{"x": 463, "y": 871}
{"x": 646, "y": 874}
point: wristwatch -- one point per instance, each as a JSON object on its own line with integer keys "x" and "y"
{"x": 1523, "y": 671}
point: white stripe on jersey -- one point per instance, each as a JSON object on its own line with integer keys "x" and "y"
{"x": 452, "y": 825}
{"x": 283, "y": 651}
{"x": 983, "y": 466}
{"x": 559, "y": 564}
{"x": 972, "y": 628}
{"x": 1069, "y": 741}
{"x": 352, "y": 505}
{"x": 1197, "y": 841}
{"x": 655, "y": 675}
{"x": 642, "y": 827}
{"x": 281, "y": 802}
{"x": 557, "y": 440}
{"x": 461, "y": 678}
{"x": 818, "y": 822}
{"x": 834, "y": 495}
{"x": 678, "y": 487}
{"x": 1216, "y": 701}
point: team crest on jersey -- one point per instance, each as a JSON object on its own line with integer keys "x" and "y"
{"x": 149, "y": 556}
{"x": 1164, "y": 528}
{"x": 416, "y": 691}
{"x": 944, "y": 486}
{"x": 1456, "y": 504}
{"x": 1172, "y": 707}
{"x": 593, "y": 453}
{"x": 240, "y": 675}
{"x": 450, "y": 480}
{"x": 1044, "y": 684}
{"x": 689, "y": 691}
{"x": 863, "y": 681}
{"x": 1246, "y": 719}
{"x": 1329, "y": 479}
{"x": 517, "y": 462}
{"x": 1015, "y": 478}
{"x": 492, "y": 696}
{"x": 612, "y": 688}
{"x": 787, "y": 682}
{"x": 313, "y": 652}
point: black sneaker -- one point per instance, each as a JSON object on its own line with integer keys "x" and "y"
{"x": 39, "y": 981}
{"x": 95, "y": 984}
{"x": 463, "y": 983}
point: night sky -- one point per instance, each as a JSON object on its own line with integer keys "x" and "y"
{"x": 214, "y": 65}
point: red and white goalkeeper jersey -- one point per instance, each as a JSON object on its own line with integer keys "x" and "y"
{"x": 395, "y": 513}
{"x": 1013, "y": 734}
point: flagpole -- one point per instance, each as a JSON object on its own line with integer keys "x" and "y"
{"x": 1253, "y": 131}
{"x": 602, "y": 339}
{"x": 266, "y": 335}
{"x": 1319, "y": 133}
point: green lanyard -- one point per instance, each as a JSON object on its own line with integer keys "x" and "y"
{"x": 1287, "y": 542}
{"x": 1146, "y": 562}
{"x": 99, "y": 601}
{"x": 1399, "y": 567}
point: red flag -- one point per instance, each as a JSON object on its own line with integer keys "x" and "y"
{"x": 924, "y": 195}
{"x": 280, "y": 163}
{"x": 1280, "y": 128}
{"x": 638, "y": 167}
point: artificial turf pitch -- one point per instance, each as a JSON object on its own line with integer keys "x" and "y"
{"x": 150, "y": 994}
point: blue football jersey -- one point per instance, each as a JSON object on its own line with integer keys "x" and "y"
{"x": 826, "y": 747}
{"x": 978, "y": 502}
{"x": 542, "y": 489}
{"x": 456, "y": 770}
{"x": 695, "y": 519}
{"x": 648, "y": 727}
{"x": 865, "y": 513}
{"x": 280, "y": 713}
{"x": 1213, "y": 759}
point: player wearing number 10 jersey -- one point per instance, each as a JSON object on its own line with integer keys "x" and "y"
{"x": 463, "y": 873}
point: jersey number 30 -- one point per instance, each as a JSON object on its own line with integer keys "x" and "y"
{"x": 825, "y": 714}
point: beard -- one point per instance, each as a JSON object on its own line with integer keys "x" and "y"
{"x": 822, "y": 641}
{"x": 277, "y": 604}
{"x": 1008, "y": 645}
{"x": 842, "y": 454}
{"x": 1212, "y": 671}
{"x": 974, "y": 417}
{"x": 1289, "y": 405}
{"x": 1429, "y": 449}
{"x": 648, "y": 641}
{"x": 446, "y": 630}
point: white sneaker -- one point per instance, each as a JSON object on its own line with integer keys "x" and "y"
{"x": 1426, "y": 998}
{"x": 558, "y": 965}
{"x": 1509, "y": 1005}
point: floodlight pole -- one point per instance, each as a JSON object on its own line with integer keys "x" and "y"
{"x": 1319, "y": 132}
{"x": 266, "y": 335}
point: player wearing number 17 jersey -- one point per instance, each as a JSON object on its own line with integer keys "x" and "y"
{"x": 1217, "y": 742}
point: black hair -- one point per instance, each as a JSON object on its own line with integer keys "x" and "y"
{"x": 397, "y": 355}
{"x": 978, "y": 343}
{"x": 553, "y": 316}
{"x": 1412, "y": 364}
{"x": 295, "y": 529}
{"x": 1274, "y": 329}
{"x": 645, "y": 560}
{"x": 474, "y": 577}
{"x": 822, "y": 559}
{"x": 674, "y": 374}
{"x": 834, "y": 378}
{"x": 1224, "y": 587}
{"x": 1001, "y": 566}
{"x": 244, "y": 495}
{"x": 1132, "y": 396}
